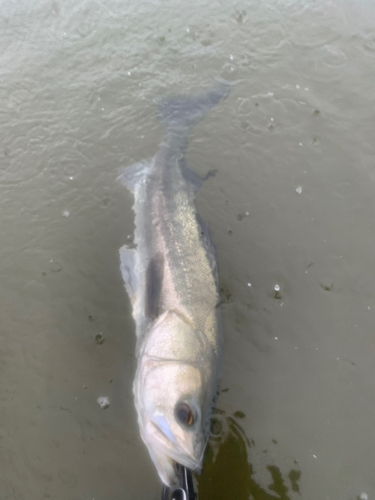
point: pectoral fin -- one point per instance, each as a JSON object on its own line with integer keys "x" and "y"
{"x": 192, "y": 178}
{"x": 127, "y": 259}
{"x": 154, "y": 284}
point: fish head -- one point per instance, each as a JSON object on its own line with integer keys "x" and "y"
{"x": 173, "y": 394}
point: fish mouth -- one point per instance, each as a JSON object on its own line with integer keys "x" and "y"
{"x": 173, "y": 450}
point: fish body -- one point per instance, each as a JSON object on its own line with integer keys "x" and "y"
{"x": 171, "y": 279}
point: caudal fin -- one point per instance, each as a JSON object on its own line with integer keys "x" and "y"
{"x": 179, "y": 114}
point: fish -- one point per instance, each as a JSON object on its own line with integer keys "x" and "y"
{"x": 171, "y": 278}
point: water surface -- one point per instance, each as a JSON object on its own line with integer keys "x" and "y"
{"x": 292, "y": 204}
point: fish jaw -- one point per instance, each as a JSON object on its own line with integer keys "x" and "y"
{"x": 166, "y": 456}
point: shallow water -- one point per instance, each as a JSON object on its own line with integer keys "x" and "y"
{"x": 292, "y": 204}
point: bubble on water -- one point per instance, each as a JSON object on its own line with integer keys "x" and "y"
{"x": 297, "y": 86}
{"x": 99, "y": 338}
{"x": 239, "y": 15}
{"x": 129, "y": 73}
{"x": 71, "y": 178}
{"x": 276, "y": 338}
{"x": 277, "y": 291}
{"x": 105, "y": 202}
{"x": 249, "y": 284}
{"x": 369, "y": 308}
{"x": 271, "y": 119}
{"x": 188, "y": 30}
{"x": 326, "y": 284}
{"x": 242, "y": 215}
{"x": 307, "y": 89}
{"x": 300, "y": 143}
{"x": 65, "y": 213}
{"x": 103, "y": 196}
{"x": 299, "y": 189}
{"x": 55, "y": 266}
{"x": 363, "y": 496}
{"x": 71, "y": 169}
{"x": 270, "y": 94}
{"x": 231, "y": 57}
{"x": 103, "y": 402}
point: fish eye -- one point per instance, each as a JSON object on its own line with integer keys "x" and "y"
{"x": 184, "y": 414}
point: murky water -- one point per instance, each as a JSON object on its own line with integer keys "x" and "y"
{"x": 292, "y": 205}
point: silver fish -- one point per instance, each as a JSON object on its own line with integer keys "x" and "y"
{"x": 171, "y": 279}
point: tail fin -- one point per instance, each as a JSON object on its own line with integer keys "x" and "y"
{"x": 179, "y": 114}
